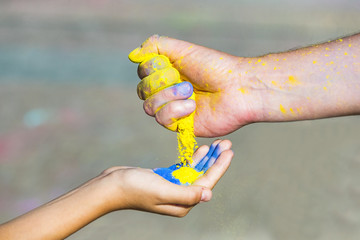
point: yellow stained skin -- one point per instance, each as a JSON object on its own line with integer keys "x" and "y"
{"x": 293, "y": 81}
{"x": 157, "y": 81}
{"x": 162, "y": 76}
{"x": 243, "y": 90}
{"x": 234, "y": 91}
{"x": 303, "y": 71}
{"x": 282, "y": 109}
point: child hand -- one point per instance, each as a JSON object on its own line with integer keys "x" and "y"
{"x": 201, "y": 162}
{"x": 142, "y": 189}
{"x": 121, "y": 188}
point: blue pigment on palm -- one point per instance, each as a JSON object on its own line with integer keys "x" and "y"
{"x": 167, "y": 173}
{"x": 202, "y": 166}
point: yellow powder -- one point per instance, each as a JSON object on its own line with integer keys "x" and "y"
{"x": 137, "y": 56}
{"x": 293, "y": 80}
{"x": 186, "y": 137}
{"x": 187, "y": 175}
{"x": 243, "y": 90}
{"x": 282, "y": 109}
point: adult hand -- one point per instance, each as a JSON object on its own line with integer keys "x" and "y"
{"x": 214, "y": 77}
{"x": 308, "y": 83}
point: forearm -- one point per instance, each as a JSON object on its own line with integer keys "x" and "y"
{"x": 309, "y": 83}
{"x": 60, "y": 217}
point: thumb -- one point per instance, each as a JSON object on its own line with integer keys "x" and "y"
{"x": 174, "y": 49}
{"x": 188, "y": 58}
{"x": 147, "y": 50}
{"x": 186, "y": 195}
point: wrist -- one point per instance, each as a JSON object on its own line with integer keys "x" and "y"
{"x": 277, "y": 92}
{"x": 251, "y": 92}
{"x": 102, "y": 194}
{"x": 113, "y": 192}
{"x": 283, "y": 91}
{"x": 99, "y": 192}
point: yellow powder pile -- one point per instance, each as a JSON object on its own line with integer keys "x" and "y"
{"x": 187, "y": 175}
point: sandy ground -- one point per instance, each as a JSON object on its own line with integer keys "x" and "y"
{"x": 69, "y": 110}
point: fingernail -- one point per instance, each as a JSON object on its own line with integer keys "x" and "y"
{"x": 206, "y": 195}
{"x": 184, "y": 89}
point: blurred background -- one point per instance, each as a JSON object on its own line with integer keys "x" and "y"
{"x": 69, "y": 109}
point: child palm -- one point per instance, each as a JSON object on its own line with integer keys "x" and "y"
{"x": 202, "y": 162}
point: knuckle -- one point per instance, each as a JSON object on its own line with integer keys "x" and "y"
{"x": 173, "y": 108}
{"x": 108, "y": 170}
{"x": 167, "y": 94}
{"x": 142, "y": 71}
{"x": 148, "y": 108}
{"x": 152, "y": 40}
{"x": 152, "y": 65}
{"x": 140, "y": 91}
{"x": 158, "y": 119}
{"x": 192, "y": 197}
{"x": 154, "y": 37}
{"x": 173, "y": 74}
{"x": 105, "y": 172}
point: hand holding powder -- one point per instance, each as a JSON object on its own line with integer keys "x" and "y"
{"x": 187, "y": 175}
{"x": 164, "y": 75}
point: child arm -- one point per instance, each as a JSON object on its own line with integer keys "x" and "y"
{"x": 117, "y": 188}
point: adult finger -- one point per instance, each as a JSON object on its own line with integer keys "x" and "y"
{"x": 174, "y": 49}
{"x": 147, "y": 50}
{"x": 190, "y": 59}
{"x": 171, "y": 112}
{"x": 152, "y": 65}
{"x": 157, "y": 81}
{"x": 179, "y": 91}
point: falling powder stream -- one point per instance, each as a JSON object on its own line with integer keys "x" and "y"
{"x": 186, "y": 138}
{"x": 185, "y": 126}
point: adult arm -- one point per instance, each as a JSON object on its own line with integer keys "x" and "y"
{"x": 309, "y": 83}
